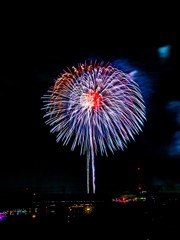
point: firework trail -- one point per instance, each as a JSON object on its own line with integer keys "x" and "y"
{"x": 97, "y": 107}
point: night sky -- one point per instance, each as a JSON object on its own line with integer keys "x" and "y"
{"x": 34, "y": 51}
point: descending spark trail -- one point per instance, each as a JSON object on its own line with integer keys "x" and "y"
{"x": 98, "y": 106}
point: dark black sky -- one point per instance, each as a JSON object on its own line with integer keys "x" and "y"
{"x": 35, "y": 49}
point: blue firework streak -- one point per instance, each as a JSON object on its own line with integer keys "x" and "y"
{"x": 98, "y": 107}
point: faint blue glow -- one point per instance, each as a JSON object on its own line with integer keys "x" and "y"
{"x": 174, "y": 107}
{"x": 164, "y": 52}
{"x": 174, "y": 148}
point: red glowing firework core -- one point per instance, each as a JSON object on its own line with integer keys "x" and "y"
{"x": 93, "y": 100}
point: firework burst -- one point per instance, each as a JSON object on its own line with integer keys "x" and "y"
{"x": 97, "y": 107}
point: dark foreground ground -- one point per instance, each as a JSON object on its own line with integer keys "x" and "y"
{"x": 154, "y": 217}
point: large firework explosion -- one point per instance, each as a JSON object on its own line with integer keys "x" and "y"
{"x": 96, "y": 106}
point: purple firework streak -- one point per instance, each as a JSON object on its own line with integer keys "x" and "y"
{"x": 96, "y": 106}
